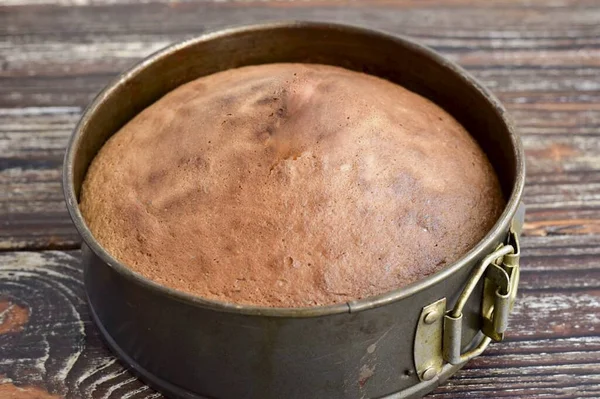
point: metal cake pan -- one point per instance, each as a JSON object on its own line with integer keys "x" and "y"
{"x": 397, "y": 345}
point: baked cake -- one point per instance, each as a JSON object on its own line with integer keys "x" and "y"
{"x": 290, "y": 185}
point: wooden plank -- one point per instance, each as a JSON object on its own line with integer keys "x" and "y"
{"x": 32, "y": 209}
{"x": 52, "y": 72}
{"x": 553, "y": 346}
{"x": 313, "y": 3}
{"x": 58, "y": 349}
{"x": 52, "y": 43}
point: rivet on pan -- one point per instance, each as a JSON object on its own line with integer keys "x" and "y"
{"x": 431, "y": 317}
{"x": 429, "y": 374}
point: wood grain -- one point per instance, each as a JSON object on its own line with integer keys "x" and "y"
{"x": 12, "y": 317}
{"x": 32, "y": 210}
{"x": 11, "y": 391}
{"x": 541, "y": 58}
{"x": 58, "y": 348}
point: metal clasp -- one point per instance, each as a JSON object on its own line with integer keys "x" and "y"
{"x": 500, "y": 271}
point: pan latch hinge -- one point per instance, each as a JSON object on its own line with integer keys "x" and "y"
{"x": 439, "y": 332}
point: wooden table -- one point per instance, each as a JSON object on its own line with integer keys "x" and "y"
{"x": 542, "y": 58}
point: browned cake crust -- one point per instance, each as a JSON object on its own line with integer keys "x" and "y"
{"x": 290, "y": 185}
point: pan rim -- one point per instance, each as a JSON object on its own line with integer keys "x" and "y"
{"x": 501, "y": 226}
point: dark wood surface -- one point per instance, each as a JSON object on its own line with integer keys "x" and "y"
{"x": 542, "y": 58}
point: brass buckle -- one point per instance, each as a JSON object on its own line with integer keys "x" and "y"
{"x": 500, "y": 271}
